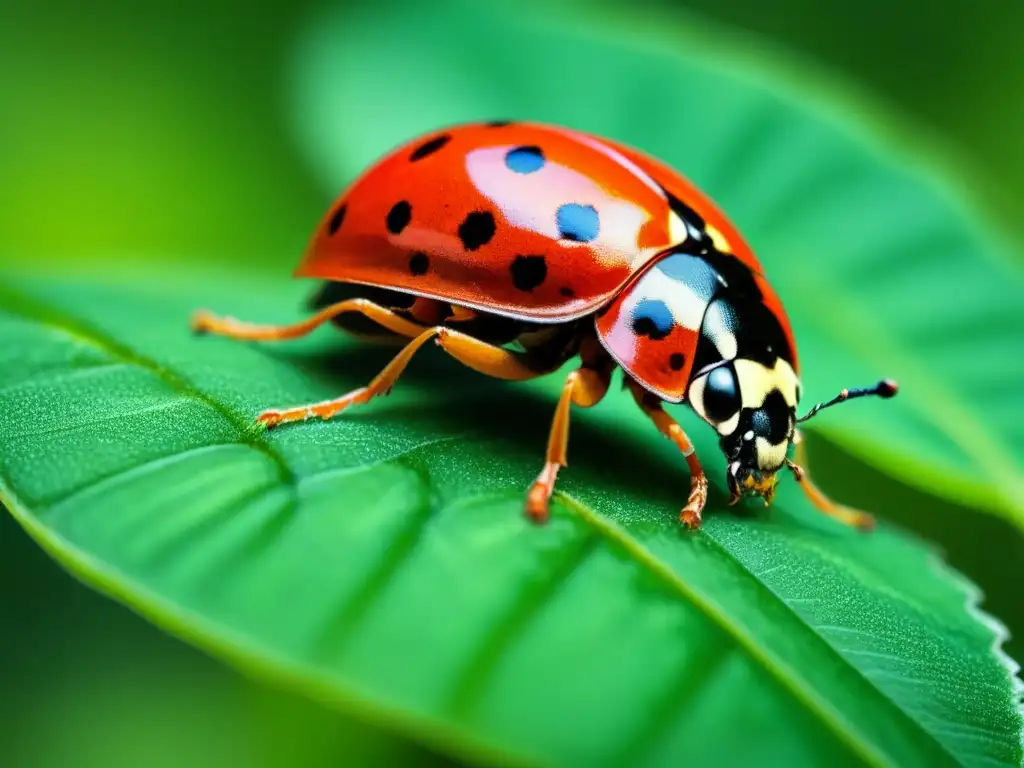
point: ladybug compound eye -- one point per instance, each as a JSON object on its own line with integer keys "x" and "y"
{"x": 721, "y": 394}
{"x": 716, "y": 397}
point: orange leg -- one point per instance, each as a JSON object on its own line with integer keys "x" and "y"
{"x": 381, "y": 385}
{"x": 490, "y": 360}
{"x": 823, "y": 503}
{"x": 463, "y": 313}
{"x": 649, "y": 404}
{"x": 585, "y": 387}
{"x": 206, "y": 322}
{"x": 487, "y": 359}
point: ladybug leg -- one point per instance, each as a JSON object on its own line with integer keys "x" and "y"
{"x": 651, "y": 405}
{"x": 206, "y": 322}
{"x": 381, "y": 385}
{"x": 493, "y": 361}
{"x": 485, "y": 358}
{"x": 585, "y": 387}
{"x": 823, "y": 503}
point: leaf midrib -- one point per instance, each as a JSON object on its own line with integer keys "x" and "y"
{"x": 27, "y": 308}
{"x": 768, "y": 591}
{"x": 834, "y": 721}
{"x": 18, "y": 304}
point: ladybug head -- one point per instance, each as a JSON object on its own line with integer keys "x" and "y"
{"x": 753, "y": 408}
{"x": 757, "y": 448}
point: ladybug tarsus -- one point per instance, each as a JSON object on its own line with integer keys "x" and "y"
{"x": 691, "y": 519}
{"x": 269, "y": 419}
{"x": 852, "y": 517}
{"x": 537, "y": 508}
{"x": 200, "y": 322}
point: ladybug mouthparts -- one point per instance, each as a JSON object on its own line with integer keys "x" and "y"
{"x": 744, "y": 481}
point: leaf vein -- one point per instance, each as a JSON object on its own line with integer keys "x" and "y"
{"x": 470, "y": 684}
{"x": 342, "y": 625}
{"x": 832, "y": 648}
{"x": 336, "y": 472}
{"x": 103, "y": 484}
{"x": 59, "y": 375}
{"x": 846, "y": 731}
{"x": 57, "y": 429}
{"x": 20, "y": 305}
{"x": 679, "y": 697}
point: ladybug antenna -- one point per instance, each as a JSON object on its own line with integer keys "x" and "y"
{"x": 886, "y": 388}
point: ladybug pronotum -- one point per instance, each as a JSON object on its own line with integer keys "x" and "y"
{"x": 519, "y": 246}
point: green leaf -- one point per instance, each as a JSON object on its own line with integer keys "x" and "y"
{"x": 124, "y": 694}
{"x": 882, "y": 271}
{"x": 381, "y": 561}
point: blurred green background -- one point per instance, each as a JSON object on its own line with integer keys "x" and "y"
{"x": 131, "y": 128}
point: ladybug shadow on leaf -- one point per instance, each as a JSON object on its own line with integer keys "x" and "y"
{"x": 611, "y": 446}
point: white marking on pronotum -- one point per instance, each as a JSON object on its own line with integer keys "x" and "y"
{"x": 757, "y": 380}
{"x": 716, "y": 327}
{"x": 718, "y": 239}
{"x": 678, "y": 231}
{"x": 686, "y": 306}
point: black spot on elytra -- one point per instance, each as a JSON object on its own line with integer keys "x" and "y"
{"x": 335, "y": 222}
{"x": 476, "y": 230}
{"x": 419, "y": 263}
{"x": 399, "y": 216}
{"x": 652, "y": 318}
{"x": 429, "y": 147}
{"x": 566, "y": 291}
{"x": 524, "y": 159}
{"x": 528, "y": 272}
{"x": 676, "y": 361}
{"x": 498, "y": 123}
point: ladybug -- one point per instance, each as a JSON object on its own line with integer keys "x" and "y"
{"x": 517, "y": 246}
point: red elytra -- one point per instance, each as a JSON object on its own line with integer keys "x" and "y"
{"x": 567, "y": 244}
